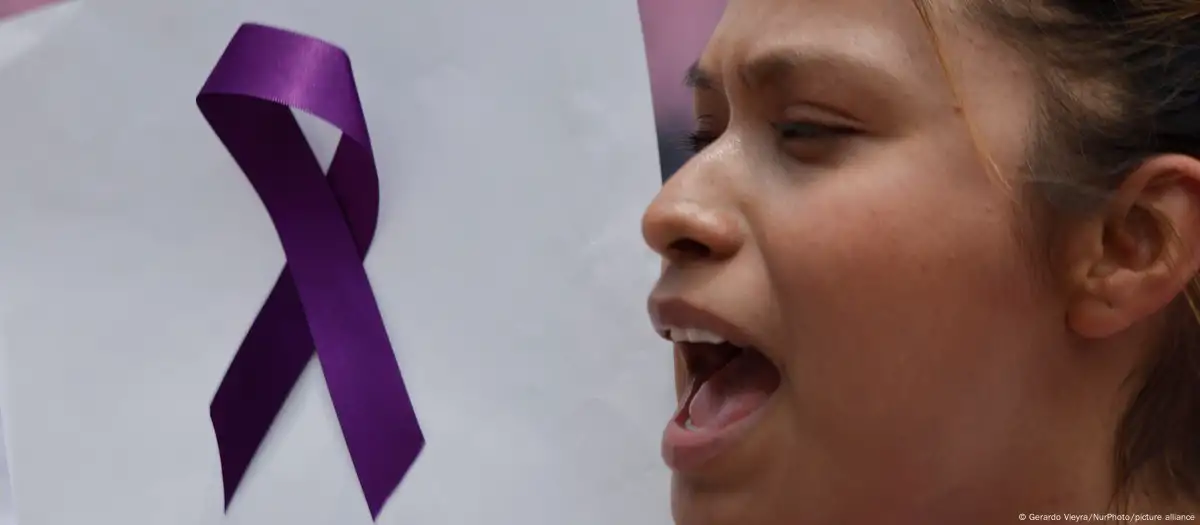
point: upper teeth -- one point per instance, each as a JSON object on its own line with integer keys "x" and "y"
{"x": 692, "y": 335}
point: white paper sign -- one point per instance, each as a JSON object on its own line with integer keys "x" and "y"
{"x": 19, "y": 34}
{"x": 8, "y": 513}
{"x": 516, "y": 152}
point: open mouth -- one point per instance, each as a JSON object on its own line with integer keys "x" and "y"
{"x": 726, "y": 384}
{"x": 729, "y": 383}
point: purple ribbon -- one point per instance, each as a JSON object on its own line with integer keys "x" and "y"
{"x": 322, "y": 299}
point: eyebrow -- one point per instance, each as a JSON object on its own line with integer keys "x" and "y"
{"x": 696, "y": 78}
{"x": 776, "y": 65}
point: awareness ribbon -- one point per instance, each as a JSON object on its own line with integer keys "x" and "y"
{"x": 322, "y": 299}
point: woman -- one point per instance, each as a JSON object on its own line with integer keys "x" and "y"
{"x": 930, "y": 264}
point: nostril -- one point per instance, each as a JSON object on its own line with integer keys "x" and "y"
{"x": 684, "y": 229}
{"x": 690, "y": 248}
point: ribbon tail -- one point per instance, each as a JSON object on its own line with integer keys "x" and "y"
{"x": 262, "y": 374}
{"x": 377, "y": 419}
{"x": 379, "y": 423}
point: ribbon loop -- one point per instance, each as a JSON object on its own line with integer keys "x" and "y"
{"x": 323, "y": 297}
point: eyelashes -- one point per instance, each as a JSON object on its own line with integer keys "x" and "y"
{"x": 811, "y": 131}
{"x": 696, "y": 141}
{"x": 787, "y": 132}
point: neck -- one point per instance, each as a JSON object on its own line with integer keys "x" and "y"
{"x": 1059, "y": 458}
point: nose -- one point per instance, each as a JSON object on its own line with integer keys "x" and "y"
{"x": 695, "y": 216}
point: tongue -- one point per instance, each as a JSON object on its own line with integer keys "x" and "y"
{"x": 734, "y": 392}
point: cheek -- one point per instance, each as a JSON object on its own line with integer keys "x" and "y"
{"x": 899, "y": 301}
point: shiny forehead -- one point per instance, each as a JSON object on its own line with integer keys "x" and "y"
{"x": 761, "y": 40}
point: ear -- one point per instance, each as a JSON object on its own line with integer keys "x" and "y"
{"x": 1130, "y": 263}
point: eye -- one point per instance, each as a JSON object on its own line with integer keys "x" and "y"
{"x": 801, "y": 130}
{"x": 696, "y": 141}
{"x": 813, "y": 142}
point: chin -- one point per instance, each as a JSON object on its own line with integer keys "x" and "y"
{"x": 691, "y": 507}
{"x": 694, "y": 503}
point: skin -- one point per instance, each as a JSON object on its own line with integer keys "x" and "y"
{"x": 931, "y": 371}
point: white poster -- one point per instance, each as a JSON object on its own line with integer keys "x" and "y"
{"x": 516, "y": 151}
{"x": 26, "y": 23}
{"x": 23, "y": 25}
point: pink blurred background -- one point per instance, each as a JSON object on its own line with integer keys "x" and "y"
{"x": 12, "y": 7}
{"x": 675, "y": 33}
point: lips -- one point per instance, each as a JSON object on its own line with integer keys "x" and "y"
{"x": 729, "y": 384}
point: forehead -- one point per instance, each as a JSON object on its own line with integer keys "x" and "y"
{"x": 888, "y": 34}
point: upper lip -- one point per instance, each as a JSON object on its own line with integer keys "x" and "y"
{"x": 666, "y": 312}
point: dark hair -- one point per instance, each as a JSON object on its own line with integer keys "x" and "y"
{"x": 1120, "y": 83}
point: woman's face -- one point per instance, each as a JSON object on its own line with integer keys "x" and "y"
{"x": 840, "y": 220}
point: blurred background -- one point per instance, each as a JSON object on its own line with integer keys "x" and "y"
{"x": 675, "y": 33}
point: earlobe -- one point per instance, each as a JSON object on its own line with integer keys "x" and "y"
{"x": 1091, "y": 317}
{"x": 1116, "y": 300}
{"x": 1143, "y": 254}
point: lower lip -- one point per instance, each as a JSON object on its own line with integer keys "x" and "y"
{"x": 686, "y": 450}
